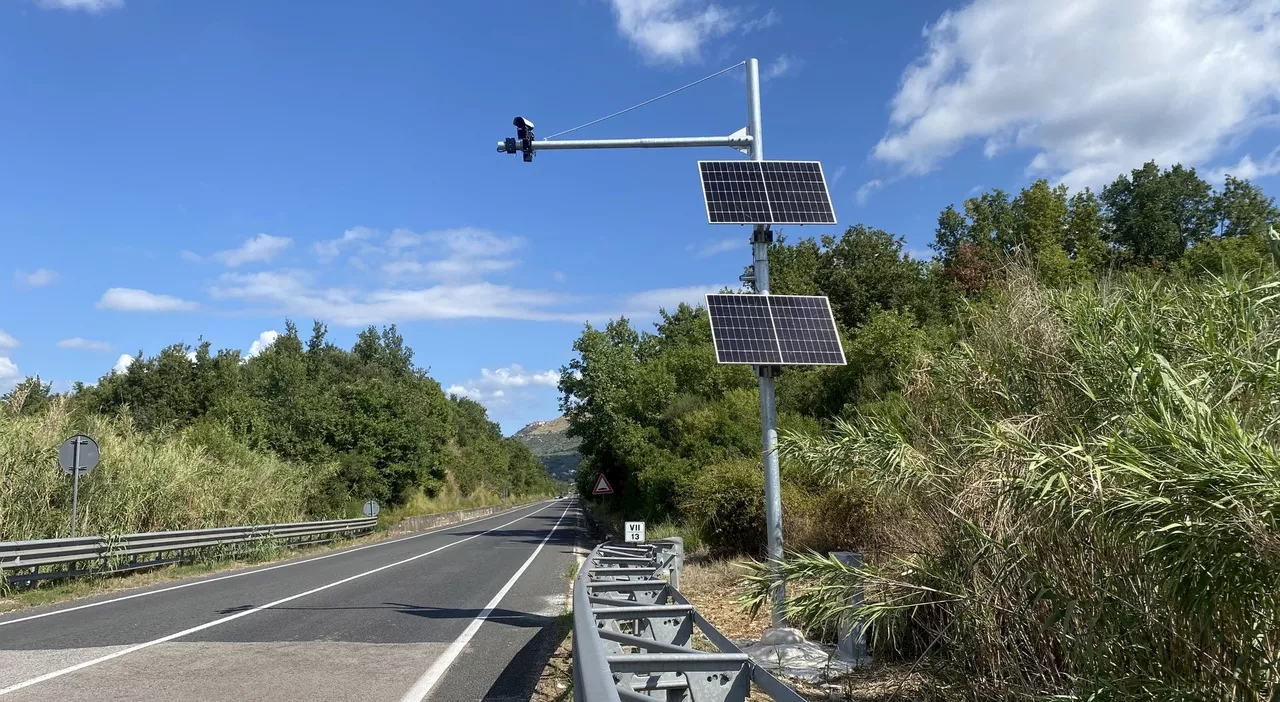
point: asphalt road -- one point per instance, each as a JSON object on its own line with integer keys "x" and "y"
{"x": 466, "y": 612}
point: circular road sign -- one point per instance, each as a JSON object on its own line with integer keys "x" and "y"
{"x": 86, "y": 459}
{"x": 371, "y": 508}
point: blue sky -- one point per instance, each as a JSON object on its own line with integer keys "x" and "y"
{"x": 183, "y": 170}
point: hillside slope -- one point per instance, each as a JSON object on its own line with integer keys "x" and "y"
{"x": 550, "y": 442}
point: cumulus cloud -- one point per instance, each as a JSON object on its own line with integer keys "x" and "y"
{"x": 506, "y": 386}
{"x": 38, "y": 278}
{"x": 190, "y": 256}
{"x": 1247, "y": 168}
{"x": 674, "y": 31}
{"x": 7, "y": 341}
{"x": 90, "y": 6}
{"x": 122, "y": 363}
{"x": 263, "y": 342}
{"x": 9, "y": 374}
{"x": 80, "y": 344}
{"x": 1090, "y": 88}
{"x": 133, "y": 300}
{"x": 262, "y": 247}
{"x": 329, "y": 249}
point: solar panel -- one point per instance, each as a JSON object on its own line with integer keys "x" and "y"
{"x": 742, "y": 329}
{"x": 765, "y": 192}
{"x": 734, "y": 191}
{"x": 774, "y": 330}
{"x": 806, "y": 330}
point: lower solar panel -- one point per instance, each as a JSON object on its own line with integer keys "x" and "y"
{"x": 774, "y": 330}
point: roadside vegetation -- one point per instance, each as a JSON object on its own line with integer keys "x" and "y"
{"x": 195, "y": 438}
{"x": 1055, "y": 445}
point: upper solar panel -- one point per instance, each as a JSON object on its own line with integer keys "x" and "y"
{"x": 766, "y": 192}
{"x": 774, "y": 330}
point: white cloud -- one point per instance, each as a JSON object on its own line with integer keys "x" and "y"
{"x": 460, "y": 391}
{"x": 132, "y": 300}
{"x": 672, "y": 31}
{"x": 837, "y": 174}
{"x": 84, "y": 345}
{"x": 191, "y": 356}
{"x": 7, "y": 341}
{"x": 1247, "y": 168}
{"x": 263, "y": 342}
{"x": 865, "y": 190}
{"x": 515, "y": 375}
{"x": 122, "y": 363}
{"x": 558, "y": 276}
{"x": 1091, "y": 88}
{"x": 781, "y": 66}
{"x": 507, "y": 386}
{"x": 718, "y": 247}
{"x": 765, "y": 21}
{"x": 648, "y": 303}
{"x": 190, "y": 256}
{"x": 9, "y": 374}
{"x": 91, "y": 6}
{"x": 38, "y": 278}
{"x": 262, "y": 247}
{"x": 328, "y": 250}
{"x": 291, "y": 292}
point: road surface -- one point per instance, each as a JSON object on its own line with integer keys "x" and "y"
{"x": 466, "y": 612}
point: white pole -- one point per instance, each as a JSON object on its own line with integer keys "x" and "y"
{"x": 768, "y": 410}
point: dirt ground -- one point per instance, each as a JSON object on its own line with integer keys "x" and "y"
{"x": 712, "y": 588}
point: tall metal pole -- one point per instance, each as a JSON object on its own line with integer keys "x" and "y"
{"x": 75, "y": 482}
{"x": 761, "y": 237}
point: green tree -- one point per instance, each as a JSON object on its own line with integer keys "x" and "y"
{"x": 1156, "y": 215}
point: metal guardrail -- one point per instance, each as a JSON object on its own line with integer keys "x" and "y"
{"x": 24, "y": 562}
{"x": 633, "y": 634}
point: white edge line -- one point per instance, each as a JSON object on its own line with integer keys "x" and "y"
{"x": 209, "y": 625}
{"x": 252, "y": 571}
{"x": 423, "y": 687}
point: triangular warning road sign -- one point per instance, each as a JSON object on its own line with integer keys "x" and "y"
{"x": 602, "y": 486}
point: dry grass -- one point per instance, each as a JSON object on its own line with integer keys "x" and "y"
{"x": 144, "y": 482}
{"x": 712, "y": 587}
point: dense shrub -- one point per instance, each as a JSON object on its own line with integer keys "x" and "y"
{"x": 1086, "y": 491}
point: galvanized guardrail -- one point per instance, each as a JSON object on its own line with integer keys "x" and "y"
{"x": 24, "y": 562}
{"x": 633, "y": 634}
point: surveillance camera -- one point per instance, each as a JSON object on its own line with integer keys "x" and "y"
{"x": 522, "y": 123}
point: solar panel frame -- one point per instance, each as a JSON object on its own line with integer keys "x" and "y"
{"x": 791, "y": 192}
{"x": 784, "y": 330}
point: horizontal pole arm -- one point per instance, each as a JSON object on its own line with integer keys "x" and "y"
{"x": 740, "y": 141}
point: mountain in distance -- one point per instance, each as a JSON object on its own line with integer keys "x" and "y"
{"x": 551, "y": 443}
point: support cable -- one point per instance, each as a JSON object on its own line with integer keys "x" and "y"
{"x": 646, "y": 102}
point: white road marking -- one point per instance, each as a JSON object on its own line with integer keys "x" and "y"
{"x": 247, "y": 612}
{"x": 422, "y": 688}
{"x": 253, "y": 571}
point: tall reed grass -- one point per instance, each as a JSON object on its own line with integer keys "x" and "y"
{"x": 144, "y": 482}
{"x": 1081, "y": 500}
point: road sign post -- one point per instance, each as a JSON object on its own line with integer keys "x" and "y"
{"x": 76, "y": 455}
{"x": 372, "y": 508}
{"x": 797, "y": 203}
